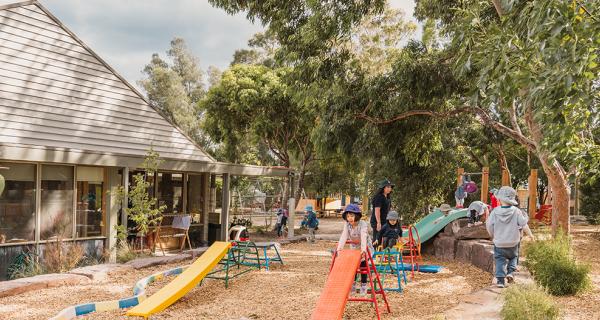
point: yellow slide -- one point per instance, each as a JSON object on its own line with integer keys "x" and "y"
{"x": 183, "y": 283}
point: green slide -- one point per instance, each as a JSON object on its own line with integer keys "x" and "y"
{"x": 435, "y": 222}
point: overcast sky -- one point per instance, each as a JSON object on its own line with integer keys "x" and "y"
{"x": 125, "y": 33}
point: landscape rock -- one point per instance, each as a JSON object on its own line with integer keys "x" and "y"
{"x": 464, "y": 250}
{"x": 100, "y": 272}
{"x": 155, "y": 261}
{"x": 18, "y": 286}
{"x": 452, "y": 228}
{"x": 482, "y": 256}
{"x": 473, "y": 232}
{"x": 445, "y": 247}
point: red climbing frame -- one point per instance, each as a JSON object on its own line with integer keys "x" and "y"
{"x": 412, "y": 249}
{"x": 370, "y": 270}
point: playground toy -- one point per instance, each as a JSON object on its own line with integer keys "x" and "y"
{"x": 236, "y": 258}
{"x": 238, "y": 233}
{"x": 411, "y": 249}
{"x": 344, "y": 265}
{"x": 139, "y": 294}
{"x": 383, "y": 262}
{"x": 185, "y": 282}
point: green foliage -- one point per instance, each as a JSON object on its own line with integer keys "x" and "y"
{"x": 26, "y": 264}
{"x": 143, "y": 211}
{"x": 528, "y": 302}
{"x": 590, "y": 200}
{"x": 175, "y": 88}
{"x": 553, "y": 267}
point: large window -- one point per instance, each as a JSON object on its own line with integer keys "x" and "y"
{"x": 91, "y": 208}
{"x": 17, "y": 202}
{"x": 57, "y": 202}
{"x": 170, "y": 192}
{"x": 195, "y": 197}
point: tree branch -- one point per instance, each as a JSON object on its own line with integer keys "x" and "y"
{"x": 483, "y": 116}
{"x": 513, "y": 118}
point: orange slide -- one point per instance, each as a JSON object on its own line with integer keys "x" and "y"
{"x": 333, "y": 299}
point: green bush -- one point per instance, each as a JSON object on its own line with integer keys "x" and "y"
{"x": 590, "y": 200}
{"x": 554, "y": 268}
{"x": 528, "y": 302}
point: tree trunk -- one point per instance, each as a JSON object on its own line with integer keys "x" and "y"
{"x": 301, "y": 177}
{"x": 561, "y": 194}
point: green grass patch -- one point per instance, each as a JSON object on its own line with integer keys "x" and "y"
{"x": 528, "y": 302}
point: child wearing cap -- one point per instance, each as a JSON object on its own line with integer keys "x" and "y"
{"x": 503, "y": 225}
{"x": 311, "y": 222}
{"x": 356, "y": 231}
{"x": 391, "y": 231}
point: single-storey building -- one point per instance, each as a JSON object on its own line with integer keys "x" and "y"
{"x": 72, "y": 129}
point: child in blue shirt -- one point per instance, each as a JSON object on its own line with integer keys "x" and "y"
{"x": 311, "y": 222}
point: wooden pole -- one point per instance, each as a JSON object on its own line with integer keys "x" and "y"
{"x": 532, "y": 185}
{"x": 505, "y": 178}
{"x": 485, "y": 184}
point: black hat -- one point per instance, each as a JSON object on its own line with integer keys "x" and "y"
{"x": 386, "y": 182}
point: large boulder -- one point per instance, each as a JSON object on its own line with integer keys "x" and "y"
{"x": 445, "y": 247}
{"x": 464, "y": 250}
{"x": 473, "y": 232}
{"x": 482, "y": 255}
{"x": 455, "y": 226}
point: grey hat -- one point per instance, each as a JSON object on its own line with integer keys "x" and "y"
{"x": 392, "y": 215}
{"x": 507, "y": 194}
{"x": 445, "y": 207}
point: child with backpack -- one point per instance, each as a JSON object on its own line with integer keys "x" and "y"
{"x": 504, "y": 226}
{"x": 311, "y": 222}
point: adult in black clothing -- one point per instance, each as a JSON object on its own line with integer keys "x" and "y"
{"x": 381, "y": 206}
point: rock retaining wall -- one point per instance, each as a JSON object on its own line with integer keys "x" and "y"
{"x": 466, "y": 244}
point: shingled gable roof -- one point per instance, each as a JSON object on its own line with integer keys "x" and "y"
{"x": 57, "y": 94}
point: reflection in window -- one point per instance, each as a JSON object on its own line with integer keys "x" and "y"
{"x": 17, "y": 202}
{"x": 91, "y": 208}
{"x": 56, "y": 202}
{"x": 170, "y": 192}
{"x": 195, "y": 200}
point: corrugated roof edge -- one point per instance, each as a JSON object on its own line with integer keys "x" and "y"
{"x": 39, "y": 5}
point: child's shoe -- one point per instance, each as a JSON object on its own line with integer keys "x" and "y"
{"x": 353, "y": 290}
{"x": 500, "y": 283}
{"x": 363, "y": 289}
{"x": 510, "y": 278}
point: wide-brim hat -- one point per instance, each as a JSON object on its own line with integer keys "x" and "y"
{"x": 445, "y": 207}
{"x": 393, "y": 215}
{"x": 384, "y": 183}
{"x": 508, "y": 195}
{"x": 354, "y": 209}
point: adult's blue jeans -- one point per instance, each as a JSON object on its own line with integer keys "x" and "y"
{"x": 506, "y": 261}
